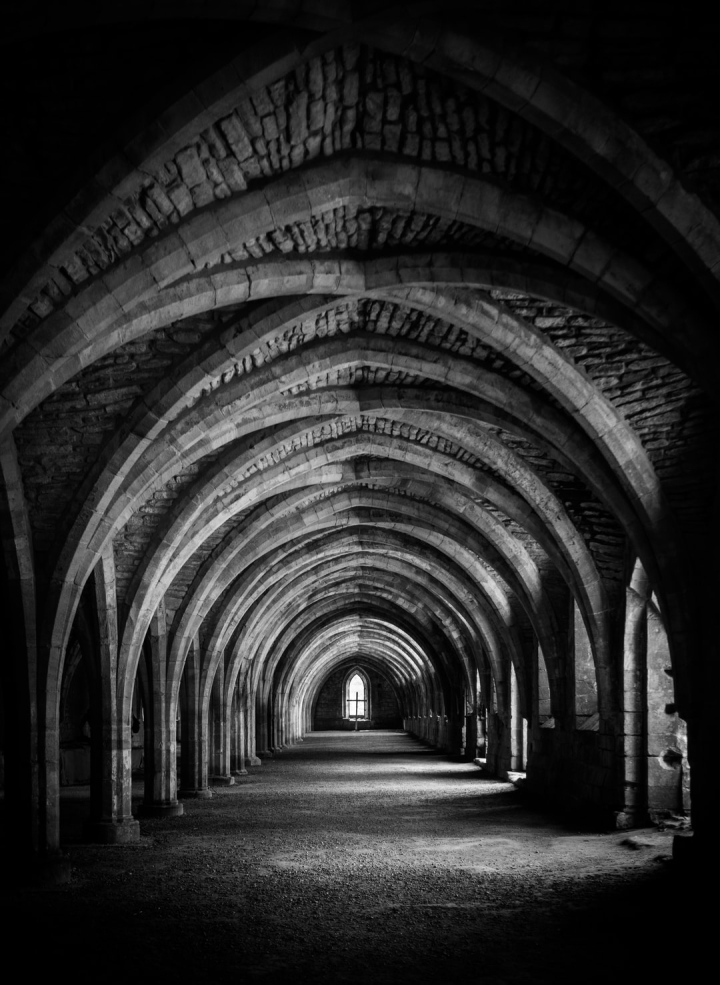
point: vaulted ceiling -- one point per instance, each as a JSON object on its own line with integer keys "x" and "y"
{"x": 386, "y": 331}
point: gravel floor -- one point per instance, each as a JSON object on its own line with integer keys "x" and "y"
{"x": 362, "y": 858}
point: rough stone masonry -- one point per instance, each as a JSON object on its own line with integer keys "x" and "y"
{"x": 376, "y": 340}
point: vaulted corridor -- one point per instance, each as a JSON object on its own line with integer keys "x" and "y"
{"x": 361, "y": 857}
{"x": 359, "y": 390}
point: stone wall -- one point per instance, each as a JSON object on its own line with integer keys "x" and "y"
{"x": 384, "y": 709}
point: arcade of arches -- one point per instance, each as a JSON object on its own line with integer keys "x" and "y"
{"x": 358, "y": 337}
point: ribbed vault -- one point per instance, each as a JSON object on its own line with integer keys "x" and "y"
{"x": 390, "y": 345}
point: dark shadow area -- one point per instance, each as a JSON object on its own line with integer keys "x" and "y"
{"x": 75, "y": 811}
{"x": 215, "y": 931}
{"x": 320, "y": 867}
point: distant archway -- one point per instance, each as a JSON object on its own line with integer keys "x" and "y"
{"x": 356, "y": 696}
{"x": 340, "y": 703}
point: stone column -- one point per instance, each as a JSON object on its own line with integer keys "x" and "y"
{"x": 455, "y": 737}
{"x": 481, "y": 736}
{"x": 633, "y": 712}
{"x": 666, "y": 753}
{"x": 261, "y": 725}
{"x": 111, "y": 819}
{"x": 32, "y": 671}
{"x": 220, "y": 775}
{"x": 516, "y": 724}
{"x": 584, "y": 676}
{"x": 193, "y": 778}
{"x": 160, "y": 766}
{"x": 539, "y": 705}
{"x": 471, "y": 736}
{"x": 237, "y": 738}
{"x": 498, "y": 729}
{"x": 248, "y": 704}
{"x": 278, "y": 712}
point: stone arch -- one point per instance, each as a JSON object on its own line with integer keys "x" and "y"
{"x": 239, "y": 602}
{"x": 576, "y": 119}
{"x": 478, "y": 496}
{"x": 223, "y": 561}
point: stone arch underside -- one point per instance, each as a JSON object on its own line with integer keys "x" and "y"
{"x": 332, "y": 389}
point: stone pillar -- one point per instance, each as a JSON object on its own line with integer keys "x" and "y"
{"x": 455, "y": 729}
{"x": 237, "y": 738}
{"x": 261, "y": 726}
{"x": 498, "y": 731}
{"x": 120, "y": 827}
{"x": 279, "y": 718}
{"x": 584, "y": 677}
{"x": 160, "y": 766}
{"x": 111, "y": 819}
{"x": 283, "y": 735}
{"x": 193, "y": 777}
{"x": 539, "y": 707}
{"x": 633, "y": 713}
{"x": 290, "y": 729}
{"x": 471, "y": 736}
{"x": 220, "y": 775}
{"x": 667, "y": 765}
{"x": 481, "y": 734}
{"x": 248, "y": 704}
{"x": 516, "y": 724}
{"x": 31, "y": 791}
{"x": 275, "y": 702}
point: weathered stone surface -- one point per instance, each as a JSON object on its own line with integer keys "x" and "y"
{"x": 274, "y": 132}
{"x": 453, "y": 420}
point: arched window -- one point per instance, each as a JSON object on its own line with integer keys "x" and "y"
{"x": 357, "y": 694}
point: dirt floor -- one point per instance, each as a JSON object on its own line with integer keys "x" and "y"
{"x": 361, "y": 858}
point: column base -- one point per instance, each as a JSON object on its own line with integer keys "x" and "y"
{"x": 125, "y": 832}
{"x": 628, "y": 819}
{"x": 238, "y": 772}
{"x": 253, "y": 761}
{"x": 195, "y": 793}
{"x": 222, "y": 781}
{"x": 265, "y": 754}
{"x": 161, "y": 810}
